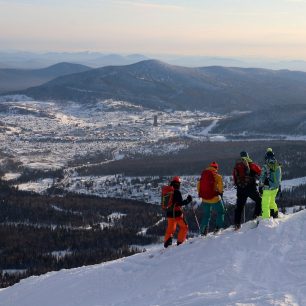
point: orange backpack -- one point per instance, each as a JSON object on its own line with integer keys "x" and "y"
{"x": 207, "y": 185}
{"x": 167, "y": 197}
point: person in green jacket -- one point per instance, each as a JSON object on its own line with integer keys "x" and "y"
{"x": 269, "y": 184}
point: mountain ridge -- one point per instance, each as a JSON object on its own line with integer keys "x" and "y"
{"x": 19, "y": 79}
{"x": 155, "y": 84}
{"x": 23, "y": 59}
{"x": 29, "y": 60}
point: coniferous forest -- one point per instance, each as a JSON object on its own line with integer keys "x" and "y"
{"x": 42, "y": 233}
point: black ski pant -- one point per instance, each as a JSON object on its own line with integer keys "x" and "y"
{"x": 242, "y": 195}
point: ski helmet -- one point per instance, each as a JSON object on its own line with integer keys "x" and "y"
{"x": 176, "y": 179}
{"x": 214, "y": 165}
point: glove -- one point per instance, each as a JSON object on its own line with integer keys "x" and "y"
{"x": 260, "y": 189}
{"x": 221, "y": 194}
{"x": 189, "y": 198}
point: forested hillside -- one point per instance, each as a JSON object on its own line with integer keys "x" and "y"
{"x": 41, "y": 233}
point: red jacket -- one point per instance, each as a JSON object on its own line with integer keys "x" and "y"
{"x": 254, "y": 172}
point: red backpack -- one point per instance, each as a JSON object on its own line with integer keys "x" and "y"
{"x": 207, "y": 185}
{"x": 167, "y": 197}
{"x": 242, "y": 173}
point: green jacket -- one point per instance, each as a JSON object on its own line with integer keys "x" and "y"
{"x": 271, "y": 176}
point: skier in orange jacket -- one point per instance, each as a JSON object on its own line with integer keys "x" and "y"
{"x": 175, "y": 216}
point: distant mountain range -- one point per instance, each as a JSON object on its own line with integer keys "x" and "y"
{"x": 29, "y": 60}
{"x": 159, "y": 85}
{"x": 32, "y": 60}
{"x": 201, "y": 61}
{"x": 19, "y": 79}
{"x": 258, "y": 100}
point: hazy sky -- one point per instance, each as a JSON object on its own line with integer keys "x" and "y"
{"x": 259, "y": 28}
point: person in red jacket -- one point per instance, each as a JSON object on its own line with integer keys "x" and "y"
{"x": 245, "y": 174}
{"x": 175, "y": 216}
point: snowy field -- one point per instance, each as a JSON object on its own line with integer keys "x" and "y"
{"x": 252, "y": 267}
{"x": 46, "y": 135}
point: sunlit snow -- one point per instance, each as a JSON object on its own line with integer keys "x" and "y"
{"x": 258, "y": 266}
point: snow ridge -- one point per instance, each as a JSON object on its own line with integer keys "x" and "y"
{"x": 265, "y": 265}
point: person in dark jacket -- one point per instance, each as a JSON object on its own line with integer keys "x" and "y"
{"x": 175, "y": 216}
{"x": 245, "y": 174}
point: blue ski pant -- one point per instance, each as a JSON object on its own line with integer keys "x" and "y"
{"x": 206, "y": 210}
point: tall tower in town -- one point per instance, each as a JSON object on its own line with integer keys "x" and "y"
{"x": 155, "y": 120}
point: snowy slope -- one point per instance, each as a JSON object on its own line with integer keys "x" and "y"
{"x": 261, "y": 266}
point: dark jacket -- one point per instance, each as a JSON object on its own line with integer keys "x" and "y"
{"x": 176, "y": 209}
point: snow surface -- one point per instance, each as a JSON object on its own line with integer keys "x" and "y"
{"x": 38, "y": 186}
{"x": 9, "y": 176}
{"x": 289, "y": 184}
{"x": 45, "y": 135}
{"x": 254, "y": 266}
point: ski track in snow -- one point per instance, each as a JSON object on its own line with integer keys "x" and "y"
{"x": 261, "y": 266}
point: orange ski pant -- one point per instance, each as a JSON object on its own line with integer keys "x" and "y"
{"x": 172, "y": 224}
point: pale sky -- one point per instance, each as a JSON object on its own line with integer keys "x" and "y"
{"x": 257, "y": 28}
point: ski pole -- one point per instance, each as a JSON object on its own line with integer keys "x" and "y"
{"x": 196, "y": 219}
{"x": 226, "y": 212}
